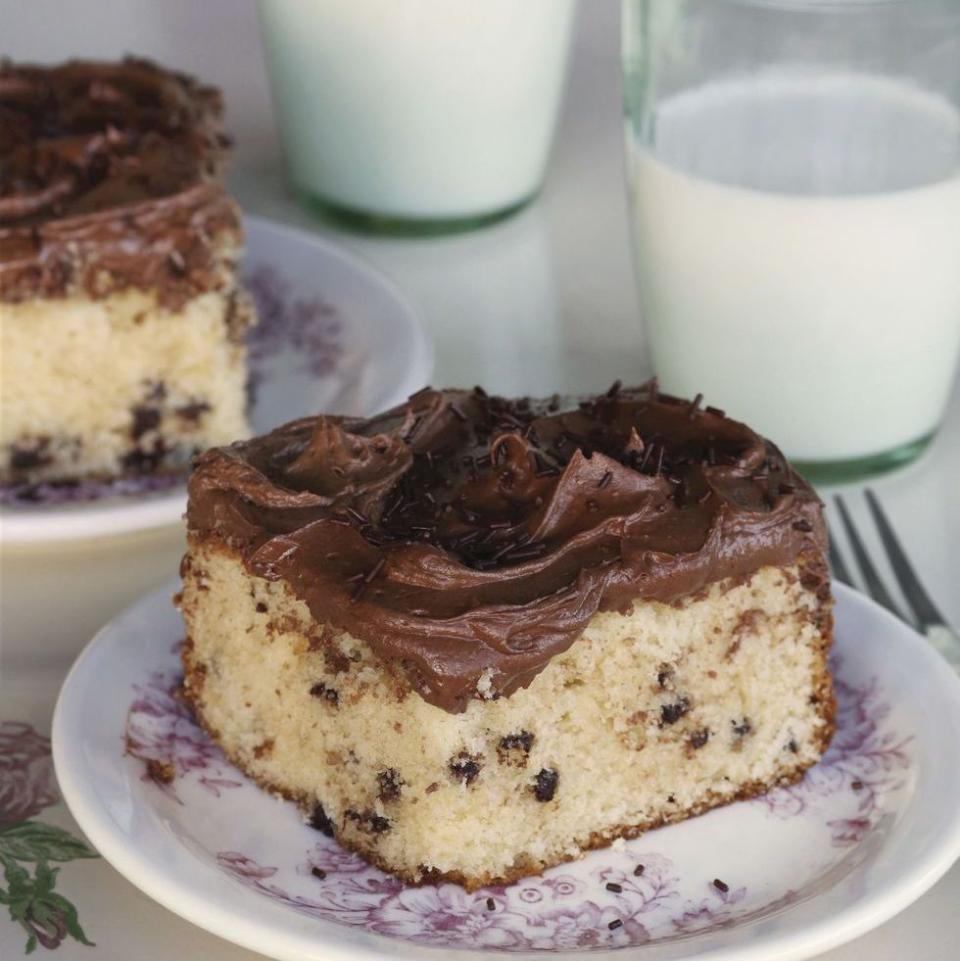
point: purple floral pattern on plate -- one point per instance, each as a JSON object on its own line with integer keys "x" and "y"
{"x": 308, "y": 326}
{"x": 627, "y": 894}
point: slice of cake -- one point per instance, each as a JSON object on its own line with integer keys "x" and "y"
{"x": 121, "y": 318}
{"x": 475, "y": 637}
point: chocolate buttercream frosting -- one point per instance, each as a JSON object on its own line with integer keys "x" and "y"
{"x": 468, "y": 539}
{"x": 108, "y": 180}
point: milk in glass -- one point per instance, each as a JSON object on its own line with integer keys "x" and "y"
{"x": 818, "y": 301}
{"x": 421, "y": 109}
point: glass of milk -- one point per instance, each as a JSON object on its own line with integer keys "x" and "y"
{"x": 417, "y": 115}
{"x": 795, "y": 198}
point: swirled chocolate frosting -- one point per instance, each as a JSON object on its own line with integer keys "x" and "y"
{"x": 108, "y": 180}
{"x": 466, "y": 536}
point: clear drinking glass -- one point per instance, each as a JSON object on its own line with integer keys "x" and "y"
{"x": 417, "y": 115}
{"x": 795, "y": 199}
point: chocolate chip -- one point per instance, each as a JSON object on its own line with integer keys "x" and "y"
{"x": 663, "y": 676}
{"x": 671, "y": 713}
{"x": 144, "y": 419}
{"x": 465, "y": 767}
{"x": 138, "y": 461}
{"x": 320, "y": 822}
{"x": 514, "y": 748}
{"x": 193, "y": 411}
{"x": 261, "y": 607}
{"x": 390, "y": 783}
{"x": 29, "y": 458}
{"x": 523, "y": 739}
{"x": 368, "y": 821}
{"x": 491, "y": 904}
{"x": 545, "y": 784}
{"x": 328, "y": 694}
{"x": 743, "y": 728}
{"x": 699, "y": 738}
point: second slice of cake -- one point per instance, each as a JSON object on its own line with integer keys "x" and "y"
{"x": 121, "y": 315}
{"x": 475, "y": 637}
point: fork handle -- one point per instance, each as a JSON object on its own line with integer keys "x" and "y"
{"x": 946, "y": 642}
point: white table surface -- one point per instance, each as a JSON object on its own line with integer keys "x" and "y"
{"x": 542, "y": 302}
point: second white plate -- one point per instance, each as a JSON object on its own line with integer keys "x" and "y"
{"x": 334, "y": 336}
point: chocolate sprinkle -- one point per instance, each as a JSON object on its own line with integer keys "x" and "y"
{"x": 721, "y": 886}
{"x": 613, "y": 886}
{"x": 613, "y": 925}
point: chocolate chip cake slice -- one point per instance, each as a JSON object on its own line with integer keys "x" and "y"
{"x": 121, "y": 317}
{"x": 474, "y": 637}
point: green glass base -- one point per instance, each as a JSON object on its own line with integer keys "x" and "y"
{"x": 860, "y": 468}
{"x": 387, "y": 224}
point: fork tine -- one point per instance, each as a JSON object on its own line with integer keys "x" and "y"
{"x": 875, "y": 586}
{"x": 837, "y": 564}
{"x": 918, "y": 599}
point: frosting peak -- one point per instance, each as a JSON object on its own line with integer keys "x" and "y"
{"x": 463, "y": 535}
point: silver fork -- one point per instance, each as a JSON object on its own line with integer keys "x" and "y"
{"x": 926, "y": 617}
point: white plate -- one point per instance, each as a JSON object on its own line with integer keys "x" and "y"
{"x": 869, "y": 830}
{"x": 335, "y": 336}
